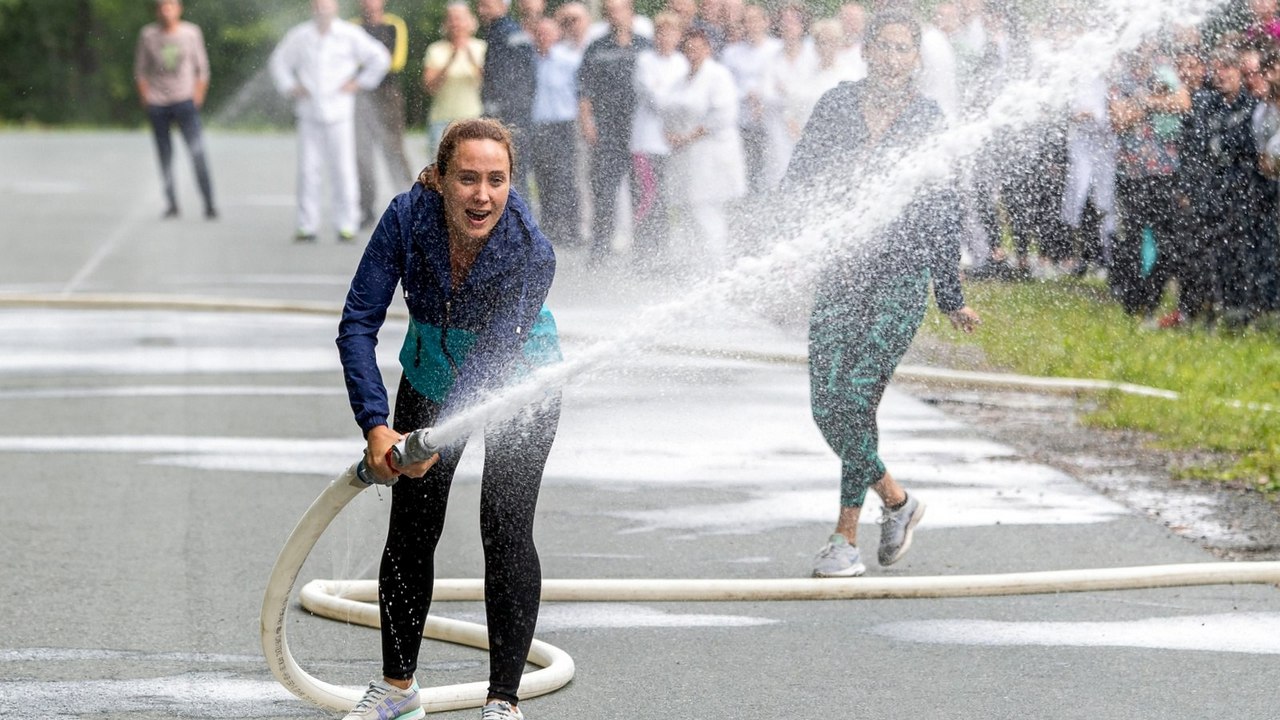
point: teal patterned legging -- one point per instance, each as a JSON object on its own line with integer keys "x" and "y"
{"x": 855, "y": 342}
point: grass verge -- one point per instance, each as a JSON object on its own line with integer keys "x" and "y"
{"x": 1069, "y": 328}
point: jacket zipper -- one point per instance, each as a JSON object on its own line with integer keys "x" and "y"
{"x": 444, "y": 334}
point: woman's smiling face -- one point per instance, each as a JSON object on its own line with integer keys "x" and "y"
{"x": 475, "y": 188}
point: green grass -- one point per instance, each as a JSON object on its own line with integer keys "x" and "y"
{"x": 1067, "y": 328}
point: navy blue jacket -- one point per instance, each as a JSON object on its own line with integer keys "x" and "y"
{"x": 462, "y": 342}
{"x": 834, "y": 150}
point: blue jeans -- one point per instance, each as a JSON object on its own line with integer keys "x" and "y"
{"x": 187, "y": 117}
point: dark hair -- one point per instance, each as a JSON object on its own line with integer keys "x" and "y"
{"x": 473, "y": 129}
{"x": 893, "y": 16}
{"x": 693, "y": 33}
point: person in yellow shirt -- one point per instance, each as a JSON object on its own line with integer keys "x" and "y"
{"x": 453, "y": 72}
{"x": 380, "y": 111}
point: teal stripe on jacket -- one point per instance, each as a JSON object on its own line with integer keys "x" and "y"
{"x": 428, "y": 369}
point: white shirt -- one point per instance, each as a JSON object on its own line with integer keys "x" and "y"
{"x": 322, "y": 63}
{"x": 710, "y": 169}
{"x": 555, "y": 95}
{"x": 750, "y": 65}
{"x": 656, "y": 76}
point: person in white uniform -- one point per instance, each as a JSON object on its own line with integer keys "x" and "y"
{"x": 706, "y": 170}
{"x": 321, "y": 64}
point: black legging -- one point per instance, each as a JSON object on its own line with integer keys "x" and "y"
{"x": 514, "y": 457}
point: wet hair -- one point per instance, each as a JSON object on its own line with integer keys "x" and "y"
{"x": 460, "y": 131}
{"x": 893, "y": 16}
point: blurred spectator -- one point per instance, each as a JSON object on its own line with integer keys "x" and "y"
{"x": 322, "y": 63}
{"x": 831, "y": 69}
{"x": 749, "y": 61}
{"x": 1190, "y": 265}
{"x": 1088, "y": 204}
{"x": 1218, "y": 154}
{"x": 531, "y": 11}
{"x": 380, "y": 112}
{"x": 939, "y": 69}
{"x": 171, "y": 71}
{"x": 1265, "y": 286}
{"x": 641, "y": 25}
{"x": 784, "y": 88}
{"x": 553, "y": 148}
{"x": 1263, "y": 23}
{"x": 452, "y": 73}
{"x": 705, "y": 172}
{"x": 733, "y": 12}
{"x": 690, "y": 14}
{"x": 853, "y": 24}
{"x": 658, "y": 71}
{"x": 575, "y": 22}
{"x": 506, "y": 87}
{"x": 714, "y": 23}
{"x": 1145, "y": 107}
{"x": 606, "y": 107}
{"x": 1035, "y": 185}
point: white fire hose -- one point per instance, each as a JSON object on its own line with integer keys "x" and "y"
{"x": 354, "y": 601}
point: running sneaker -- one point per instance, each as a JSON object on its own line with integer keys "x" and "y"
{"x": 500, "y": 710}
{"x": 896, "y": 529}
{"x": 388, "y": 702}
{"x": 838, "y": 559}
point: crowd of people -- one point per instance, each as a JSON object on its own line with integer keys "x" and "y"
{"x": 1162, "y": 168}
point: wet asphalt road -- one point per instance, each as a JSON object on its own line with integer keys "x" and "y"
{"x": 158, "y": 458}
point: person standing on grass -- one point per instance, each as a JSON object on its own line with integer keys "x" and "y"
{"x": 321, "y": 64}
{"x": 871, "y": 299}
{"x": 171, "y": 71}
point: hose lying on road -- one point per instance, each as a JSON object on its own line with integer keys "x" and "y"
{"x": 354, "y": 601}
{"x": 957, "y": 377}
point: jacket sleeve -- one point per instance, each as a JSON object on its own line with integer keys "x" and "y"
{"x": 943, "y": 236}
{"x": 372, "y": 290}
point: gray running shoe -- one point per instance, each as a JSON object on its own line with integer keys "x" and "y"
{"x": 896, "y": 529}
{"x": 388, "y": 702}
{"x": 500, "y": 710}
{"x": 838, "y": 559}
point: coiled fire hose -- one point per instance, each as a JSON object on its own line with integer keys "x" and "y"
{"x": 354, "y": 601}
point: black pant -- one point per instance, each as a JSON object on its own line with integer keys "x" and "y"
{"x": 610, "y": 163}
{"x": 187, "y": 117}
{"x": 515, "y": 455}
{"x": 554, "y": 161}
{"x": 1146, "y": 205}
